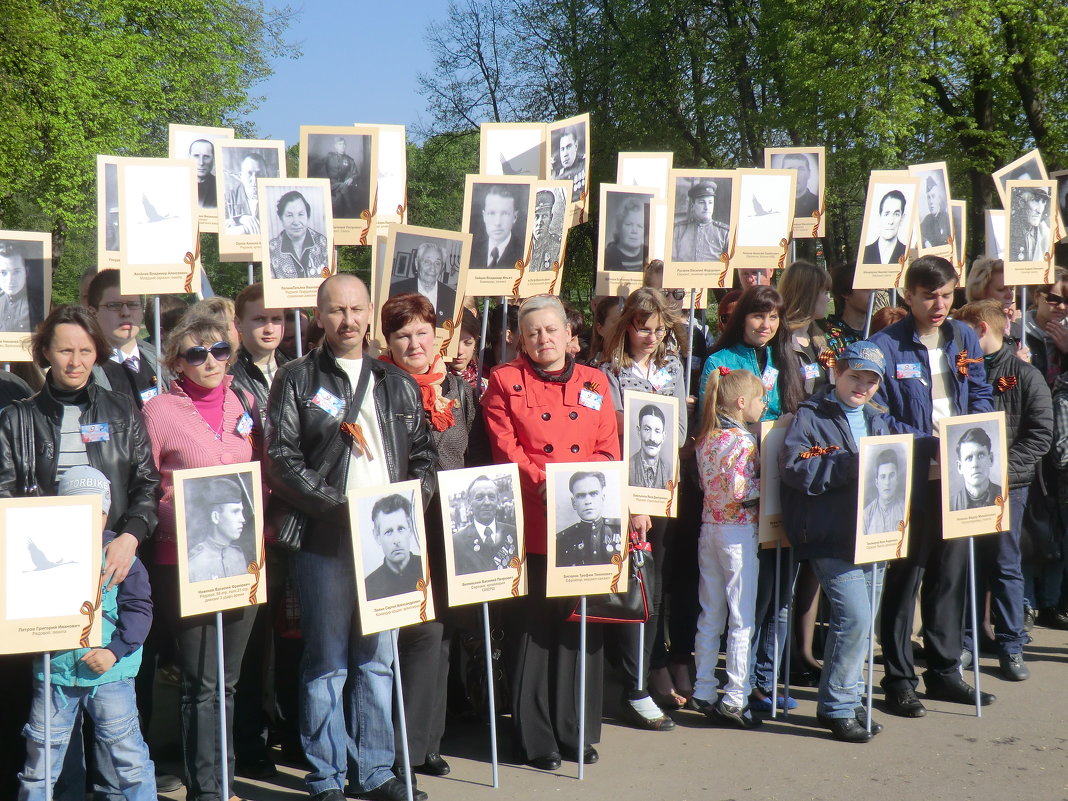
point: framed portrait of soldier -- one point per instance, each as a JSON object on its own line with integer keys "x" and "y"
{"x": 1030, "y": 231}
{"x": 810, "y": 165}
{"x": 25, "y": 290}
{"x": 552, "y": 210}
{"x": 934, "y": 233}
{"x": 762, "y": 217}
{"x": 994, "y": 228}
{"x": 771, "y": 529}
{"x": 347, "y": 156}
{"x": 624, "y": 233}
{"x": 159, "y": 244}
{"x": 499, "y": 215}
{"x": 429, "y": 262}
{"x": 197, "y": 142}
{"x": 700, "y": 213}
{"x": 958, "y": 217}
{"x": 567, "y": 158}
{"x": 587, "y": 528}
{"x": 51, "y": 557}
{"x": 512, "y": 148}
{"x": 108, "y": 213}
{"x": 884, "y": 498}
{"x": 244, "y": 162}
{"x": 297, "y": 239}
{"x": 651, "y": 451}
{"x": 887, "y": 231}
{"x": 482, "y": 517}
{"x": 650, "y": 170}
{"x": 389, "y": 552}
{"x": 1029, "y": 167}
{"x": 1061, "y": 177}
{"x": 392, "y": 188}
{"x": 975, "y": 474}
{"x": 219, "y": 525}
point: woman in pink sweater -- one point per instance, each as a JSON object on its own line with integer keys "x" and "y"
{"x": 200, "y": 422}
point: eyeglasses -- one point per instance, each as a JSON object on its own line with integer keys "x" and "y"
{"x": 1055, "y": 300}
{"x": 659, "y": 333}
{"x": 677, "y": 294}
{"x": 118, "y": 305}
{"x": 198, "y": 354}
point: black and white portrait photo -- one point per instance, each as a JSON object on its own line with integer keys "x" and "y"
{"x": 1030, "y": 223}
{"x": 497, "y": 220}
{"x": 483, "y": 529}
{"x": 198, "y": 143}
{"x": 888, "y": 222}
{"x": 392, "y": 562}
{"x": 626, "y": 231}
{"x": 22, "y": 272}
{"x": 429, "y": 266}
{"x": 547, "y": 233}
{"x": 1062, "y": 194}
{"x": 1029, "y": 167}
{"x": 111, "y": 207}
{"x": 702, "y": 219}
{"x": 884, "y": 490}
{"x": 219, "y": 526}
{"x": 958, "y": 220}
{"x": 508, "y": 148}
{"x": 807, "y": 189}
{"x": 764, "y": 208}
{"x": 587, "y": 508}
{"x": 344, "y": 159}
{"x": 935, "y": 223}
{"x": 299, "y": 229}
{"x": 975, "y": 466}
{"x": 242, "y": 167}
{"x": 568, "y": 149}
{"x": 652, "y": 441}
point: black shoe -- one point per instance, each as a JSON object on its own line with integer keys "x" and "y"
{"x": 326, "y": 795}
{"x": 392, "y": 789}
{"x": 1029, "y": 618}
{"x": 589, "y": 755}
{"x": 643, "y": 713}
{"x": 904, "y": 703}
{"x": 706, "y": 708}
{"x": 1012, "y": 667}
{"x": 862, "y": 719}
{"x": 167, "y": 783}
{"x": 258, "y": 767}
{"x": 1052, "y": 618}
{"x": 849, "y": 730}
{"x": 735, "y": 715}
{"x": 954, "y": 689}
{"x": 433, "y": 766}
{"x": 550, "y": 761}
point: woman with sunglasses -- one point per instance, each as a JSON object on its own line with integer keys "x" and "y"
{"x": 639, "y": 360}
{"x": 200, "y": 422}
{"x": 1046, "y": 332}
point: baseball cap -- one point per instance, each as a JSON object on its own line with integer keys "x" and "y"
{"x": 85, "y": 480}
{"x": 863, "y": 355}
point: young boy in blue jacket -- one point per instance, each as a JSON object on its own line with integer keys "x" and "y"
{"x": 934, "y": 370}
{"x": 98, "y": 680}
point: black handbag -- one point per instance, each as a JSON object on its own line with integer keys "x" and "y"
{"x": 631, "y": 606}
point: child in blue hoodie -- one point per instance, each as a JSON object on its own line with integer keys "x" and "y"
{"x": 97, "y": 680}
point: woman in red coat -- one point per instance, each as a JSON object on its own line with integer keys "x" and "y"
{"x": 543, "y": 407}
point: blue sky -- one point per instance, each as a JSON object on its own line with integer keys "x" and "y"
{"x": 360, "y": 62}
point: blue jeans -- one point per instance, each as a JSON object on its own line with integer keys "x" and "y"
{"x": 113, "y": 709}
{"x": 847, "y": 588}
{"x": 762, "y": 655}
{"x": 338, "y": 723}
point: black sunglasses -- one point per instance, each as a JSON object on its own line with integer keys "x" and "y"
{"x": 198, "y": 354}
{"x": 1055, "y": 300}
{"x": 677, "y": 294}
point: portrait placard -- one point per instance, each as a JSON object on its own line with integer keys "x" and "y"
{"x": 935, "y": 233}
{"x": 159, "y": 245}
{"x": 567, "y": 158}
{"x": 884, "y": 499}
{"x": 887, "y": 230}
{"x": 771, "y": 529}
{"x": 108, "y": 213}
{"x": 244, "y": 162}
{"x": 347, "y": 156}
{"x": 51, "y": 552}
{"x": 1029, "y": 167}
{"x": 1030, "y": 231}
{"x": 1061, "y": 177}
{"x": 552, "y": 213}
{"x": 995, "y": 233}
{"x": 624, "y": 235}
{"x": 651, "y": 448}
{"x": 389, "y": 550}
{"x": 25, "y": 290}
{"x": 197, "y": 142}
{"x": 392, "y": 188}
{"x": 587, "y": 542}
{"x": 296, "y": 239}
{"x": 651, "y": 170}
{"x": 762, "y": 218}
{"x": 958, "y": 215}
{"x": 219, "y": 529}
{"x": 499, "y": 215}
{"x": 809, "y": 163}
{"x": 482, "y": 517}
{"x": 430, "y": 262}
{"x": 975, "y": 474}
{"x": 512, "y": 148}
{"x": 700, "y": 211}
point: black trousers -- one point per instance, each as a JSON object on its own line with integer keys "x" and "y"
{"x": 542, "y": 655}
{"x": 681, "y": 574}
{"x": 424, "y": 668}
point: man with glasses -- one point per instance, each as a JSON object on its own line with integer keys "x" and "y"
{"x": 134, "y": 363}
{"x": 429, "y": 268}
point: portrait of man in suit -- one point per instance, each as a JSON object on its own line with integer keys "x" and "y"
{"x": 647, "y": 466}
{"x": 430, "y": 263}
{"x": 887, "y": 248}
{"x": 202, "y": 151}
{"x": 498, "y": 230}
{"x": 806, "y": 202}
{"x": 594, "y": 539}
{"x": 393, "y": 529}
{"x": 485, "y": 543}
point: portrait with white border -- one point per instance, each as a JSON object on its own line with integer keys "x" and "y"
{"x": 809, "y": 163}
{"x": 700, "y": 211}
{"x": 567, "y": 158}
{"x": 296, "y": 239}
{"x": 884, "y": 498}
{"x": 973, "y": 458}
{"x": 1028, "y": 167}
{"x": 347, "y": 156}
{"x": 887, "y": 230}
{"x": 197, "y": 142}
{"x": 762, "y": 217}
{"x": 25, "y": 290}
{"x": 243, "y": 162}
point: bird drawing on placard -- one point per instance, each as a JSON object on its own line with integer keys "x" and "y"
{"x": 40, "y": 561}
{"x": 150, "y": 210}
{"x": 759, "y": 210}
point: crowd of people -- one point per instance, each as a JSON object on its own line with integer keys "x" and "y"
{"x": 325, "y": 410}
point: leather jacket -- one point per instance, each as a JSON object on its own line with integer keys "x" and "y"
{"x": 125, "y": 457}
{"x": 249, "y": 377}
{"x": 307, "y": 456}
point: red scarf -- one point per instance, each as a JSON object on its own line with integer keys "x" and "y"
{"x": 438, "y": 408}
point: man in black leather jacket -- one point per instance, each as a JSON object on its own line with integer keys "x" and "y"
{"x": 320, "y": 443}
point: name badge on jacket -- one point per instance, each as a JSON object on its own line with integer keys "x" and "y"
{"x": 909, "y": 370}
{"x": 328, "y": 402}
{"x": 244, "y": 425}
{"x": 590, "y": 399}
{"x": 811, "y": 371}
{"x": 96, "y": 432}
{"x": 771, "y": 374}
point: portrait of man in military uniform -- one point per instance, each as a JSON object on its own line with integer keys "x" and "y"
{"x": 486, "y": 542}
{"x": 594, "y": 539}
{"x": 218, "y": 538}
{"x": 701, "y": 236}
{"x": 548, "y": 230}
{"x": 343, "y": 159}
{"x": 569, "y": 157}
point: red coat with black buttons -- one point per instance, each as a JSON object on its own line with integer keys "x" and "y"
{"x": 533, "y": 422}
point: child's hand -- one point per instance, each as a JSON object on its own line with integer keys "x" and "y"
{"x": 100, "y": 660}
